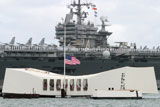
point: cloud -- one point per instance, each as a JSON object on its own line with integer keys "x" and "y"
{"x": 106, "y": 6}
{"x": 4, "y": 2}
{"x": 24, "y": 22}
{"x": 140, "y": 20}
{"x": 131, "y": 21}
{"x": 117, "y": 30}
{"x": 156, "y": 9}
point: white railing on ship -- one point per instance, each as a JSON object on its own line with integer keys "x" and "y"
{"x": 52, "y": 49}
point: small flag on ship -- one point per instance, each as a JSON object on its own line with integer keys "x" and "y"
{"x": 71, "y": 60}
{"x": 93, "y": 6}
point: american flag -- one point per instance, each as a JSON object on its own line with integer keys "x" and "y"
{"x": 71, "y": 60}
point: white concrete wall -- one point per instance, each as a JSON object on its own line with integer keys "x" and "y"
{"x": 24, "y": 81}
{"x": 20, "y": 82}
{"x": 141, "y": 79}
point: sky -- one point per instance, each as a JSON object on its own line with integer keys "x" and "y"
{"x": 133, "y": 21}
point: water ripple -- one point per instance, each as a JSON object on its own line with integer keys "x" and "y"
{"x": 148, "y": 101}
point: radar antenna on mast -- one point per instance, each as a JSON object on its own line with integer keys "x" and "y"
{"x": 103, "y": 20}
{"x": 81, "y": 15}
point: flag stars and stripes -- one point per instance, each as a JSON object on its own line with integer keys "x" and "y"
{"x": 71, "y": 60}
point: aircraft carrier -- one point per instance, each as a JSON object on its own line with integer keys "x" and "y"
{"x": 84, "y": 40}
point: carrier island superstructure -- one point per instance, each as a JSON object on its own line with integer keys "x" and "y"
{"x": 86, "y": 42}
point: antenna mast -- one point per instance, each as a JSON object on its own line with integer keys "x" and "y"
{"x": 79, "y": 12}
{"x": 78, "y": 7}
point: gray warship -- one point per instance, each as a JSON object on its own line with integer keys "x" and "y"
{"x": 84, "y": 40}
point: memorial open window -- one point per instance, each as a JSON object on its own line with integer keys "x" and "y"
{"x": 72, "y": 85}
{"x": 51, "y": 85}
{"x": 45, "y": 84}
{"x": 78, "y": 84}
{"x": 85, "y": 84}
{"x": 65, "y": 84}
{"x": 58, "y": 85}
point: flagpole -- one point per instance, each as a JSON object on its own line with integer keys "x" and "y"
{"x": 64, "y": 52}
{"x": 63, "y": 92}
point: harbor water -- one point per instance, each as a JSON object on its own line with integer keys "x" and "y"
{"x": 147, "y": 101}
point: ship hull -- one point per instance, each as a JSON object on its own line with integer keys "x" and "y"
{"x": 87, "y": 66}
